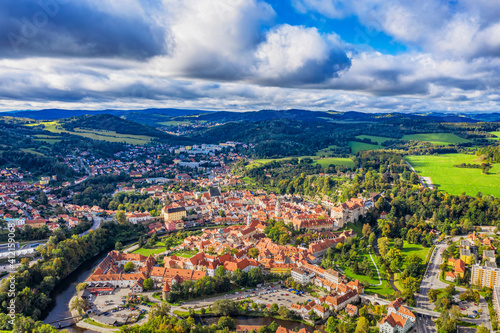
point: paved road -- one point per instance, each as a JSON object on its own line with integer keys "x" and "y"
{"x": 428, "y": 181}
{"x": 431, "y": 281}
{"x": 419, "y": 178}
{"x": 96, "y": 225}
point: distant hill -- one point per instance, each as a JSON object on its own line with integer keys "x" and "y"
{"x": 54, "y": 114}
{"x": 119, "y": 125}
{"x": 155, "y": 117}
{"x": 321, "y": 116}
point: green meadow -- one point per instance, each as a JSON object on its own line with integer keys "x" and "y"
{"x": 436, "y": 138}
{"x": 457, "y": 180}
{"x": 324, "y": 162}
{"x": 110, "y": 136}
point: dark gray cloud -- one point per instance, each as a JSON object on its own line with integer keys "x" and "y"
{"x": 65, "y": 28}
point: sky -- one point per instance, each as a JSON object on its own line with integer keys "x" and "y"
{"x": 245, "y": 55}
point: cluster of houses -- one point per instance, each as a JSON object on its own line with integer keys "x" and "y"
{"x": 189, "y": 209}
{"x": 342, "y": 294}
{"x": 110, "y": 274}
{"x": 399, "y": 318}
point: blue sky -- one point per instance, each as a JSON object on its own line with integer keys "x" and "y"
{"x": 363, "y": 55}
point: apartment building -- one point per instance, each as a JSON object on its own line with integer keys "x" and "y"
{"x": 483, "y": 276}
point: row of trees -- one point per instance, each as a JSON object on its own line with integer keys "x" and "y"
{"x": 222, "y": 282}
{"x": 60, "y": 256}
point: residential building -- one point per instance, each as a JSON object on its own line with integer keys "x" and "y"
{"x": 489, "y": 255}
{"x": 450, "y": 276}
{"x": 460, "y": 268}
{"x": 483, "y": 276}
{"x": 174, "y": 214}
{"x": 496, "y": 302}
{"x": 399, "y": 319}
{"x": 351, "y": 310}
{"x": 301, "y": 276}
{"x": 466, "y": 256}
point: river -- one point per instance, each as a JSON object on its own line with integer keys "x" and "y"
{"x": 67, "y": 289}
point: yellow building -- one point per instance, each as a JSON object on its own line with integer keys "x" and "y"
{"x": 280, "y": 268}
{"x": 483, "y": 276}
{"x": 174, "y": 214}
{"x": 466, "y": 256}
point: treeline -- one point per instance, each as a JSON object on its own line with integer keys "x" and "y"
{"x": 490, "y": 154}
{"x": 28, "y": 233}
{"x": 132, "y": 202}
{"x": 220, "y": 283}
{"x": 36, "y": 164}
{"x": 96, "y": 191}
{"x": 60, "y": 257}
{"x": 468, "y": 166}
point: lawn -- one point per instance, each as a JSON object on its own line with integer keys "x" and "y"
{"x": 457, "y": 180}
{"x": 407, "y": 250}
{"x": 184, "y": 253}
{"x": 414, "y": 248}
{"x": 110, "y": 136}
{"x": 384, "y": 289}
{"x": 436, "y": 138}
{"x": 158, "y": 248}
{"x": 356, "y": 226}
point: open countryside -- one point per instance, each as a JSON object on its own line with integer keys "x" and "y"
{"x": 436, "y": 138}
{"x": 457, "y": 180}
{"x": 324, "y": 162}
{"x": 110, "y": 136}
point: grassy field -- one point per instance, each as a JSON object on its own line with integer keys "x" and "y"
{"x": 407, "y": 250}
{"x": 360, "y": 146}
{"x": 415, "y": 248}
{"x": 110, "y": 136}
{"x": 383, "y": 289}
{"x": 497, "y": 134}
{"x": 436, "y": 138}
{"x": 325, "y": 151}
{"x": 174, "y": 123}
{"x": 47, "y": 138}
{"x": 184, "y": 253}
{"x": 158, "y": 248}
{"x": 378, "y": 139}
{"x": 457, "y": 180}
{"x": 31, "y": 151}
{"x": 357, "y": 226}
{"x": 324, "y": 162}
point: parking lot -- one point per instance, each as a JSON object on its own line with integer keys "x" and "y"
{"x": 111, "y": 307}
{"x": 469, "y": 309}
{"x": 280, "y": 297}
{"x": 267, "y": 294}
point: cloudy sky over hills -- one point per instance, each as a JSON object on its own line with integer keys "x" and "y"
{"x": 366, "y": 55}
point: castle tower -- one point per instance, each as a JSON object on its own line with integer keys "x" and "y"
{"x": 278, "y": 209}
{"x": 249, "y": 219}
